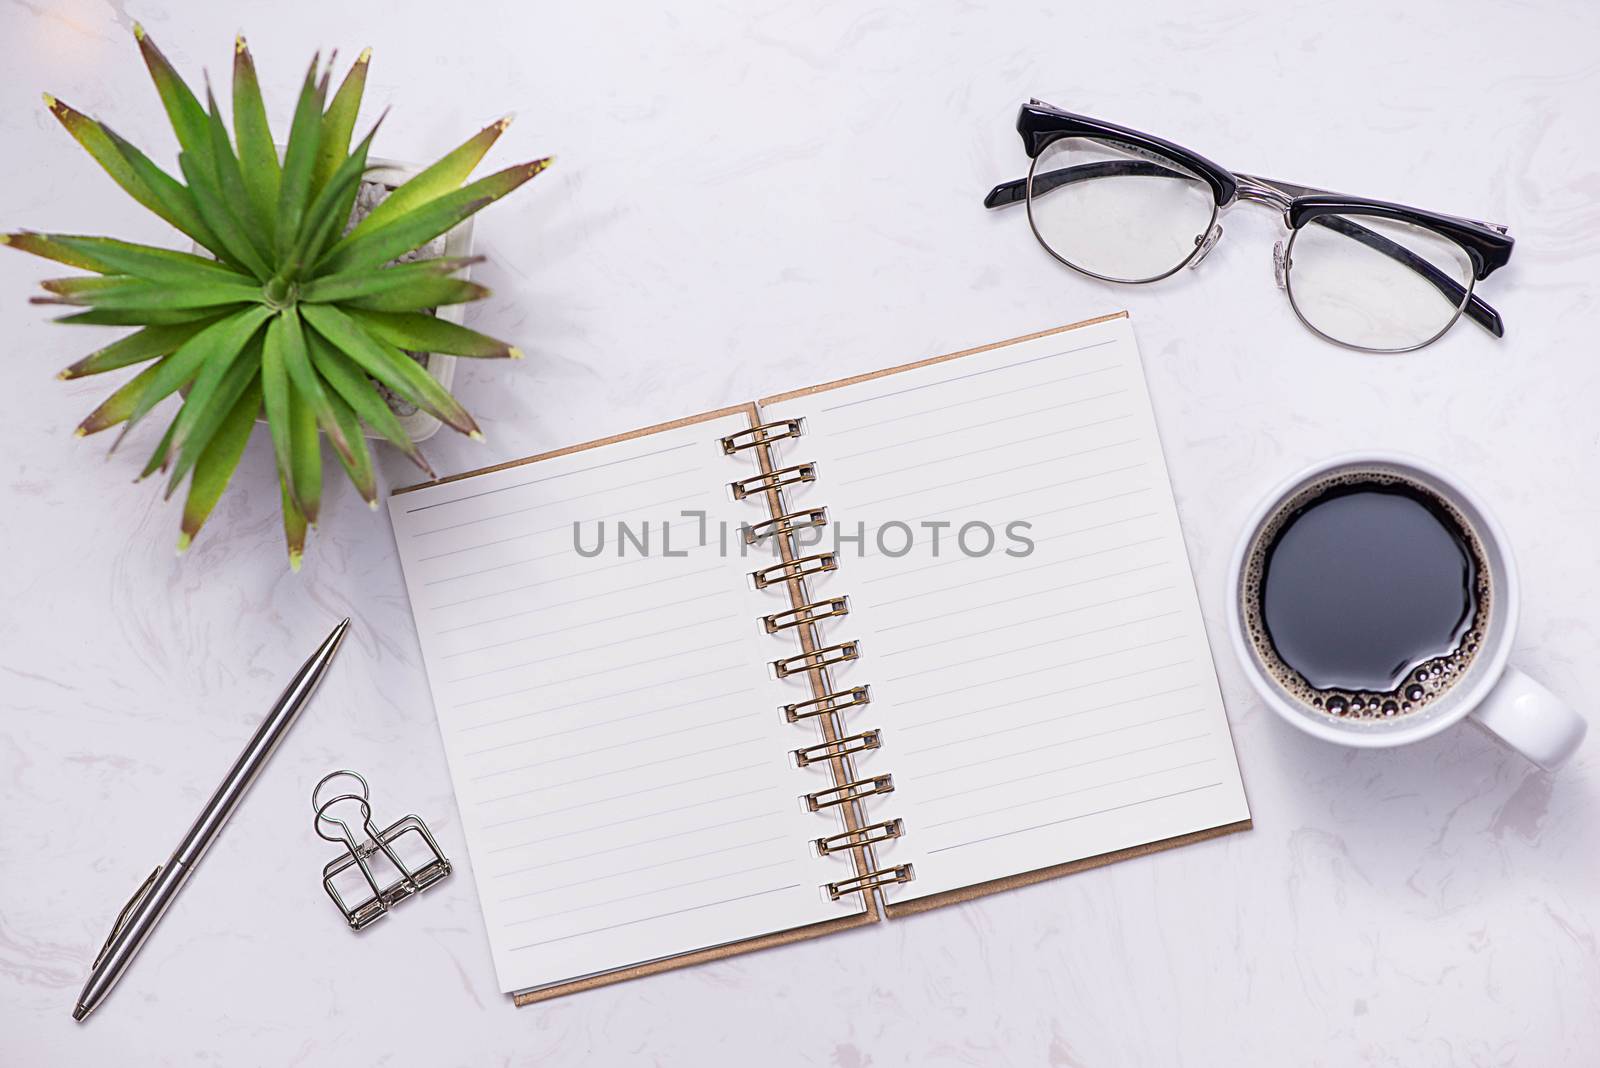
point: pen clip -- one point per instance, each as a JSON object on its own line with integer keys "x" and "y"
{"x": 122, "y": 917}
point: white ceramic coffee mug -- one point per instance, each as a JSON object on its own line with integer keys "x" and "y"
{"x": 1510, "y": 705}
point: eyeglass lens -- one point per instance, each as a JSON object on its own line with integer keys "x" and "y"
{"x": 1116, "y": 214}
{"x": 1376, "y": 283}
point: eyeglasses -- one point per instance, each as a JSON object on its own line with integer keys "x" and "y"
{"x": 1123, "y": 206}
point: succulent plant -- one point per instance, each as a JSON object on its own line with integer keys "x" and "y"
{"x": 293, "y": 313}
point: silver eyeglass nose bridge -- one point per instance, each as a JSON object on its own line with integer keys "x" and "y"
{"x": 1206, "y": 242}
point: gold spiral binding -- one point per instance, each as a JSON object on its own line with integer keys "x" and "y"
{"x": 795, "y": 569}
{"x": 828, "y": 702}
{"x": 771, "y": 480}
{"x": 819, "y": 658}
{"x": 786, "y": 524}
{"x": 832, "y": 608}
{"x": 759, "y": 435}
{"x": 871, "y": 834}
{"x": 838, "y": 747}
{"x": 855, "y": 743}
{"x": 901, "y": 873}
{"x": 845, "y": 793}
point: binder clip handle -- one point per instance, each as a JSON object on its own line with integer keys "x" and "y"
{"x": 360, "y": 851}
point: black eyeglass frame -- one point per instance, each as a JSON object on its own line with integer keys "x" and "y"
{"x": 1488, "y": 246}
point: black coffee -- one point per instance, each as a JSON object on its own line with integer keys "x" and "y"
{"x": 1366, "y": 595}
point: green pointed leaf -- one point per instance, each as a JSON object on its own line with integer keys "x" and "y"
{"x": 213, "y": 206}
{"x": 298, "y": 161}
{"x": 135, "y": 316}
{"x": 230, "y": 181}
{"x": 216, "y": 465}
{"x": 215, "y": 388}
{"x": 120, "y": 291}
{"x": 275, "y": 391}
{"x": 333, "y": 142}
{"x": 384, "y": 243}
{"x": 132, "y": 170}
{"x": 358, "y": 465}
{"x": 118, "y": 407}
{"x": 221, "y": 340}
{"x": 353, "y": 386}
{"x": 297, "y": 361}
{"x": 82, "y": 287}
{"x": 183, "y": 110}
{"x": 258, "y": 159}
{"x": 347, "y": 285}
{"x": 93, "y": 137}
{"x": 159, "y": 457}
{"x": 331, "y": 207}
{"x": 421, "y": 294}
{"x": 47, "y": 247}
{"x": 294, "y": 523}
{"x": 110, "y": 256}
{"x": 390, "y": 366}
{"x": 328, "y": 229}
{"x": 137, "y": 347}
{"x": 442, "y": 177}
{"x": 425, "y": 333}
{"x": 305, "y": 456}
{"x": 197, "y": 423}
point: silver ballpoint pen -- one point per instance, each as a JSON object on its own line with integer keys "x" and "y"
{"x": 151, "y": 901}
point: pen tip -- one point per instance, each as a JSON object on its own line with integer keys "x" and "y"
{"x": 79, "y": 1012}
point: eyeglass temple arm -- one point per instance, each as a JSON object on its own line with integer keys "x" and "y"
{"x": 1478, "y": 310}
{"x": 1294, "y": 191}
{"x": 1008, "y": 193}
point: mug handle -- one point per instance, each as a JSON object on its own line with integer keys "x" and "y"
{"x": 1530, "y": 719}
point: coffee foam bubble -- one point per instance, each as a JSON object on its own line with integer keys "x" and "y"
{"x": 1425, "y": 684}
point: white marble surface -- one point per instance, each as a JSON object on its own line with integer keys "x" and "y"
{"x": 751, "y": 197}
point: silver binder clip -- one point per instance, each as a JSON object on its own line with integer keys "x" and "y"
{"x": 408, "y": 834}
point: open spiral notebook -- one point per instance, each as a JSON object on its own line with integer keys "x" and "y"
{"x": 844, "y": 654}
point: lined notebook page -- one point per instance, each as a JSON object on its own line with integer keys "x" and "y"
{"x": 1041, "y": 707}
{"x": 610, "y": 722}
